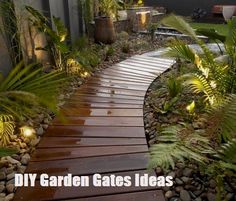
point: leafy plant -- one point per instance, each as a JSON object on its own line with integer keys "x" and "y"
{"x": 215, "y": 81}
{"x": 222, "y": 119}
{"x": 109, "y": 51}
{"x": 178, "y": 143}
{"x": 27, "y": 88}
{"x": 174, "y": 87}
{"x": 126, "y": 47}
{"x": 7, "y": 151}
{"x": 212, "y": 78}
{"x": 10, "y": 31}
{"x": 109, "y": 8}
{"x": 56, "y": 45}
{"x": 7, "y": 127}
{"x": 152, "y": 28}
{"x": 87, "y": 11}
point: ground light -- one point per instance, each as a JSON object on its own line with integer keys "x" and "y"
{"x": 27, "y": 131}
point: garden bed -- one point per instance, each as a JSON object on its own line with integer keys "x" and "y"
{"x": 190, "y": 181}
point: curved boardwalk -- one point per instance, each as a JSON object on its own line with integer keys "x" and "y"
{"x": 104, "y": 133}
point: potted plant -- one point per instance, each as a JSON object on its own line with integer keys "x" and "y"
{"x": 104, "y": 27}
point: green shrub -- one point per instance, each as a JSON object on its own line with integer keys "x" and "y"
{"x": 174, "y": 87}
{"x": 126, "y": 47}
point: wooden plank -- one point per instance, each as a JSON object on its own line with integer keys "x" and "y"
{"x": 151, "y": 64}
{"x": 86, "y": 112}
{"x": 82, "y": 152}
{"x": 94, "y": 89}
{"x": 120, "y": 84}
{"x": 75, "y": 131}
{"x": 73, "y": 99}
{"x": 159, "y": 68}
{"x": 123, "y": 78}
{"x": 168, "y": 62}
{"x": 154, "y": 195}
{"x": 106, "y": 95}
{"x": 130, "y": 73}
{"x": 101, "y": 121}
{"x": 87, "y": 166}
{"x": 55, "y": 142}
{"x": 38, "y": 193}
{"x": 125, "y": 82}
{"x": 102, "y": 105}
{"x": 107, "y": 85}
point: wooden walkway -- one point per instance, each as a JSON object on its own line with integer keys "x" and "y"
{"x": 104, "y": 134}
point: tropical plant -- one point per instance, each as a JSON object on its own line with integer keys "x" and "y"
{"x": 177, "y": 143}
{"x": 212, "y": 78}
{"x": 27, "y": 88}
{"x": 109, "y": 8}
{"x": 174, "y": 87}
{"x": 56, "y": 39}
{"x": 7, "y": 127}
{"x": 222, "y": 119}
{"x": 215, "y": 81}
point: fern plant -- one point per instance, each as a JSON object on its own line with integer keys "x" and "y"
{"x": 178, "y": 143}
{"x": 7, "y": 127}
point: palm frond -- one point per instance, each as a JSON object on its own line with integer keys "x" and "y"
{"x": 181, "y": 50}
{"x": 179, "y": 24}
{"x": 7, "y": 126}
{"x": 29, "y": 87}
{"x": 199, "y": 84}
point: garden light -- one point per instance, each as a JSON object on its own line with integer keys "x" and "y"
{"x": 27, "y": 131}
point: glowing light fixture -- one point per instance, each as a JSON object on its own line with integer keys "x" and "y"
{"x": 27, "y": 131}
{"x": 85, "y": 74}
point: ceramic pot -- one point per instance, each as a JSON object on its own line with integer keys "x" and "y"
{"x": 104, "y": 30}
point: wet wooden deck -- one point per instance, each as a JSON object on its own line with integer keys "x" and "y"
{"x": 104, "y": 133}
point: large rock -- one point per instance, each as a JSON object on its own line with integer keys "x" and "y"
{"x": 9, "y": 197}
{"x": 2, "y": 175}
{"x": 10, "y": 188}
{"x": 211, "y": 197}
{"x": 25, "y": 159}
{"x": 187, "y": 172}
{"x": 10, "y": 176}
{"x": 169, "y": 194}
{"x": 12, "y": 160}
{"x": 40, "y": 131}
{"x": 184, "y": 195}
{"x": 2, "y": 188}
